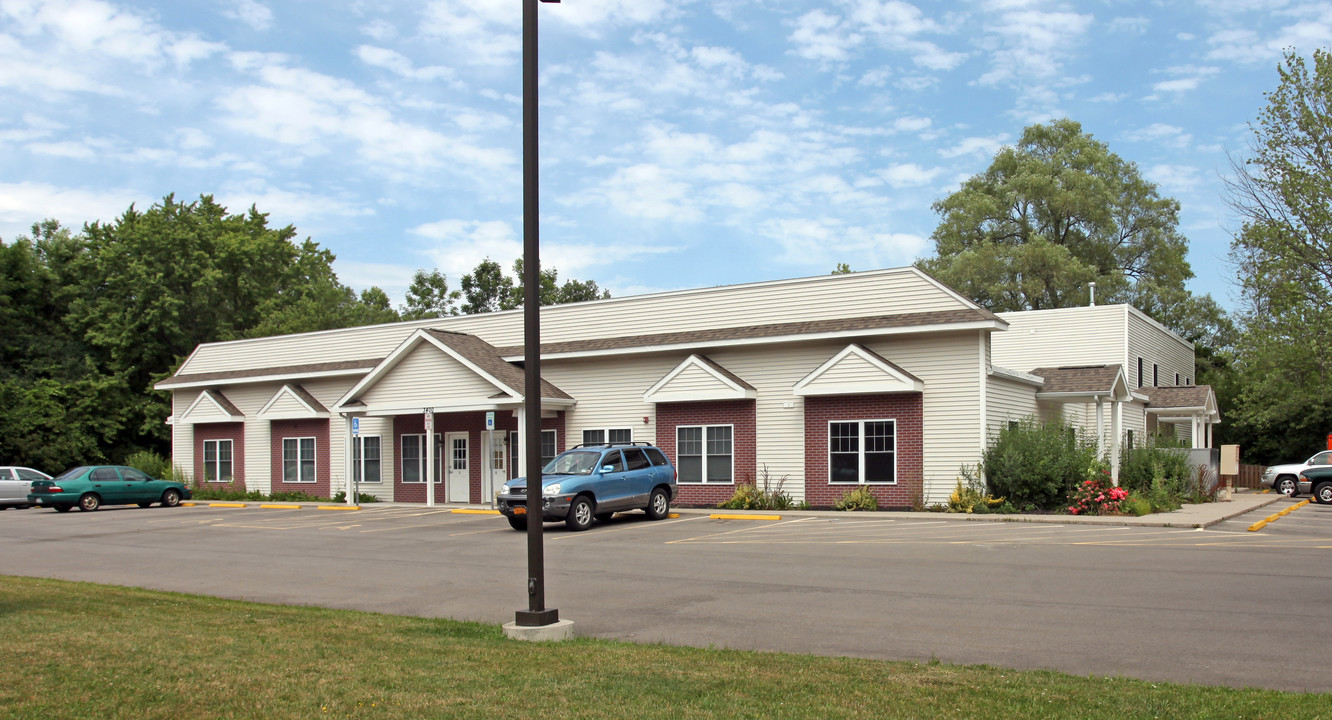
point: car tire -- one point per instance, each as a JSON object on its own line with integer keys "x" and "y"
{"x": 659, "y": 505}
{"x": 580, "y": 515}
{"x": 63, "y": 508}
{"x": 517, "y": 523}
{"x": 171, "y": 498}
{"x": 89, "y": 502}
{"x": 1322, "y": 492}
{"x": 1285, "y": 485}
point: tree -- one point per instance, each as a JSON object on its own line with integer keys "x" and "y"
{"x": 842, "y": 269}
{"x": 1283, "y": 251}
{"x": 429, "y": 296}
{"x": 488, "y": 289}
{"x": 1049, "y": 216}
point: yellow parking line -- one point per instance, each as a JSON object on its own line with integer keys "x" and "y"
{"x": 720, "y": 516}
{"x": 281, "y": 507}
{"x": 1273, "y": 518}
{"x": 473, "y": 511}
{"x": 338, "y": 507}
{"x": 235, "y": 505}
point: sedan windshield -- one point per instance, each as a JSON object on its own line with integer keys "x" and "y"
{"x": 572, "y": 463}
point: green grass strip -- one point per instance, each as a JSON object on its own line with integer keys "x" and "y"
{"x": 76, "y": 650}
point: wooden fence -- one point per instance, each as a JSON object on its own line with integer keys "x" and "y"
{"x": 1250, "y": 476}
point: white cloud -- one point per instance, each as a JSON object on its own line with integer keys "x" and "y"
{"x": 250, "y": 12}
{"x": 827, "y": 241}
{"x": 825, "y": 36}
{"x": 96, "y": 29}
{"x": 22, "y": 204}
{"x": 1032, "y": 44}
{"x": 976, "y": 146}
{"x": 399, "y": 64}
{"x": 1174, "y": 178}
{"x": 1161, "y": 133}
{"x": 1310, "y": 27}
{"x": 909, "y": 175}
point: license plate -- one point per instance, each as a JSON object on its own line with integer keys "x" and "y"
{"x": 520, "y": 511}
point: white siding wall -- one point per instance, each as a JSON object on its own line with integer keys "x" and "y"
{"x": 1157, "y": 346}
{"x": 388, "y": 453}
{"x": 427, "y": 377}
{"x": 1060, "y": 338}
{"x": 1008, "y": 401}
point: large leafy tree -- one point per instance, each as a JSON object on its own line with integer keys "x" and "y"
{"x": 1283, "y": 250}
{"x": 1056, "y": 212}
{"x": 88, "y": 322}
{"x": 488, "y": 289}
{"x": 429, "y": 296}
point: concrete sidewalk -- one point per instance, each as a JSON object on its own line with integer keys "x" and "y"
{"x": 1189, "y": 516}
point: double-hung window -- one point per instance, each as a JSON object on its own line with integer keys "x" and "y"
{"x": 365, "y": 459}
{"x": 547, "y": 452}
{"x": 705, "y": 453}
{"x": 414, "y": 459}
{"x": 217, "y": 461}
{"x": 862, "y": 451}
{"x": 601, "y": 436}
{"x": 298, "y": 460}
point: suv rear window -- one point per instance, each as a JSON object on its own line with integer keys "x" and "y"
{"x": 634, "y": 459}
{"x": 657, "y": 457}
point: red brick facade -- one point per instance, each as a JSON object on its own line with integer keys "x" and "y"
{"x": 316, "y": 428}
{"x": 472, "y": 423}
{"x": 738, "y": 413}
{"x": 905, "y": 409}
{"x": 235, "y": 432}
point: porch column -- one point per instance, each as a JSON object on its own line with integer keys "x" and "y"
{"x": 1116, "y": 433}
{"x": 521, "y": 450}
{"x": 1100, "y": 425}
{"x": 347, "y": 461}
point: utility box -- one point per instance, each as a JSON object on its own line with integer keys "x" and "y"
{"x": 1230, "y": 460}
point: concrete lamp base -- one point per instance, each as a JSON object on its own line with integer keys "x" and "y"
{"x": 555, "y": 632}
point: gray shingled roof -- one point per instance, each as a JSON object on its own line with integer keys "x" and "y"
{"x": 484, "y": 355}
{"x": 309, "y": 399}
{"x": 226, "y": 404}
{"x": 1180, "y": 396}
{"x": 1081, "y": 379}
{"x": 758, "y": 332}
{"x": 726, "y": 373}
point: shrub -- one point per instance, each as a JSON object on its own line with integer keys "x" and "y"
{"x": 152, "y": 464}
{"x": 361, "y": 498}
{"x": 1093, "y": 497}
{"x": 973, "y": 498}
{"x": 1038, "y": 464}
{"x": 748, "y": 496}
{"x": 1159, "y": 462}
{"x": 858, "y": 499}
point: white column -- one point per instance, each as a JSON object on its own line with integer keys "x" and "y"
{"x": 1100, "y": 425}
{"x": 430, "y": 457}
{"x": 1116, "y": 432}
{"x": 520, "y": 452}
{"x": 347, "y": 459}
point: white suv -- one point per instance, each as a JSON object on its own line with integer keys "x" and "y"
{"x": 1285, "y": 478}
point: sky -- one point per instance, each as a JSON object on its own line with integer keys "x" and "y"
{"x": 689, "y": 143}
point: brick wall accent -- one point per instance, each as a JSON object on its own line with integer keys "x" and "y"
{"x": 474, "y": 424}
{"x": 739, "y": 413}
{"x": 904, "y": 408}
{"x": 314, "y": 427}
{"x": 235, "y": 432}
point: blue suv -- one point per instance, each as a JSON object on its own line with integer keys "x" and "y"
{"x": 590, "y": 482}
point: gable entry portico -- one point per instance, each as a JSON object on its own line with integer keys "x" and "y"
{"x": 454, "y": 379}
{"x": 1091, "y": 384}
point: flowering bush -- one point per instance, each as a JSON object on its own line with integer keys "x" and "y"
{"x": 1093, "y": 497}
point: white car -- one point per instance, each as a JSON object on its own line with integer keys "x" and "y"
{"x": 16, "y": 483}
{"x": 1285, "y": 478}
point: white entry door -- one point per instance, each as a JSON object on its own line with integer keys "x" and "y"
{"x": 497, "y": 470}
{"x": 457, "y": 471}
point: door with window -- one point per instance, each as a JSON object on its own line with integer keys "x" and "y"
{"x": 497, "y": 468}
{"x": 457, "y": 471}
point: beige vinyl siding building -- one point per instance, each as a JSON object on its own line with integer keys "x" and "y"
{"x": 783, "y": 367}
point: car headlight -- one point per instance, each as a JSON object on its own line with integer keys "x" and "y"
{"x": 551, "y": 489}
{"x": 504, "y": 489}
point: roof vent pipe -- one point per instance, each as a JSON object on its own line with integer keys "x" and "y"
{"x": 1093, "y": 293}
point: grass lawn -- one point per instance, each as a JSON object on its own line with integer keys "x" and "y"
{"x": 75, "y": 650}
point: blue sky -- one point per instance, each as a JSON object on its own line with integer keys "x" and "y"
{"x": 683, "y": 144}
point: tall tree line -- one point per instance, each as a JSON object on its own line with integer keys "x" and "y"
{"x": 90, "y": 320}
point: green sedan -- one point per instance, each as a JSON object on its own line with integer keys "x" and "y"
{"x": 92, "y": 486}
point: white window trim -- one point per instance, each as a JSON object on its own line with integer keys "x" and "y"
{"x": 402, "y": 458}
{"x": 704, "y": 476}
{"x": 314, "y": 460}
{"x": 606, "y": 431}
{"x": 517, "y": 472}
{"x": 359, "y": 440}
{"x": 217, "y": 461}
{"x": 860, "y": 454}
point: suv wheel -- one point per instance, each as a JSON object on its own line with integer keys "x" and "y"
{"x": 659, "y": 506}
{"x": 1285, "y": 485}
{"x": 1323, "y": 493}
{"x": 581, "y": 514}
{"x": 517, "y": 523}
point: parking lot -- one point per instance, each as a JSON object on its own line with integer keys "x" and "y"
{"x": 1221, "y": 605}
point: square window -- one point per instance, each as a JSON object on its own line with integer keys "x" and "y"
{"x": 864, "y": 451}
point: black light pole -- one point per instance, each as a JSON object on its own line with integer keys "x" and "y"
{"x": 536, "y": 614}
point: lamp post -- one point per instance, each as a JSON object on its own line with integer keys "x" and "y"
{"x": 536, "y": 614}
